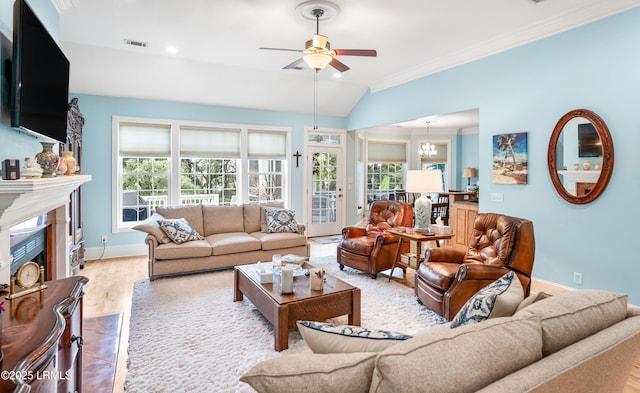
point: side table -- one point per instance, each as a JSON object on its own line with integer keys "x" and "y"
{"x": 416, "y": 237}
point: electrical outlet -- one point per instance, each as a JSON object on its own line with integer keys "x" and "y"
{"x": 103, "y": 238}
{"x": 577, "y": 278}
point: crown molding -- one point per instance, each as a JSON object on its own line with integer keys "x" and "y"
{"x": 534, "y": 32}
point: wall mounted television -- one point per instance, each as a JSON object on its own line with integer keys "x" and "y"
{"x": 40, "y": 78}
{"x": 589, "y": 144}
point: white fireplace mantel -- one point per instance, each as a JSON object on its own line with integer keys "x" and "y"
{"x": 23, "y": 199}
{"x": 572, "y": 178}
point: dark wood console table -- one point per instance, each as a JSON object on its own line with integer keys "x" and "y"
{"x": 42, "y": 339}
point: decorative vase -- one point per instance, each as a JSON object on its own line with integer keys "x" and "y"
{"x": 586, "y": 165}
{"x": 70, "y": 161}
{"x": 47, "y": 159}
{"x": 62, "y": 168}
{"x": 576, "y": 166}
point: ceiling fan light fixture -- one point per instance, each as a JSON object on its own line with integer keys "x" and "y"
{"x": 317, "y": 60}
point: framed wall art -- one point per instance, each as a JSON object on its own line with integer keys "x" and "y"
{"x": 510, "y": 158}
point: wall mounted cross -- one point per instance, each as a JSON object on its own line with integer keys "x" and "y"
{"x": 297, "y": 156}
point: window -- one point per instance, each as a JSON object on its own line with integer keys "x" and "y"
{"x": 209, "y": 159}
{"x": 267, "y": 164}
{"x": 387, "y": 164}
{"x": 215, "y": 165}
{"x": 208, "y": 181}
{"x": 266, "y": 180}
{"x": 144, "y": 151}
{"x": 383, "y": 179}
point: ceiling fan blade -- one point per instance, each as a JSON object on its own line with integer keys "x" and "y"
{"x": 293, "y": 65}
{"x": 356, "y": 52}
{"x": 338, "y": 65}
{"x": 283, "y": 49}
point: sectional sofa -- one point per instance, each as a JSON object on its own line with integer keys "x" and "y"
{"x": 572, "y": 342}
{"x": 228, "y": 236}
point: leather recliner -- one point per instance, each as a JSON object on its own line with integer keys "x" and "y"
{"x": 370, "y": 249}
{"x": 499, "y": 243}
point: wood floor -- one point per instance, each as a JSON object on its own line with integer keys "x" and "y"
{"x": 111, "y": 285}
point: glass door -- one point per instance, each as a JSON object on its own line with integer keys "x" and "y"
{"x": 325, "y": 190}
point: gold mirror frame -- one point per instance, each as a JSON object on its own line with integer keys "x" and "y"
{"x": 607, "y": 157}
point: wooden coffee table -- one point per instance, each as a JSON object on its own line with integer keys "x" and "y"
{"x": 337, "y": 298}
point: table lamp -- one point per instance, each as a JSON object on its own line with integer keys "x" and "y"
{"x": 423, "y": 182}
{"x": 469, "y": 173}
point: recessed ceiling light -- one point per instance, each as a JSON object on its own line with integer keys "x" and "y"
{"x": 337, "y": 75}
{"x": 171, "y": 49}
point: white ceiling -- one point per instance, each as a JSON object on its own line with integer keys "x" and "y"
{"x": 218, "y": 61}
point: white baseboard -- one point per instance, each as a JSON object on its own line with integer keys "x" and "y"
{"x": 131, "y": 250}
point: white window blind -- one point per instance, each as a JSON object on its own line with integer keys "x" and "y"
{"x": 387, "y": 152}
{"x": 148, "y": 140}
{"x": 267, "y": 144}
{"x": 200, "y": 142}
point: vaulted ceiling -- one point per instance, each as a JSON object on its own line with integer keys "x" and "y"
{"x": 218, "y": 60}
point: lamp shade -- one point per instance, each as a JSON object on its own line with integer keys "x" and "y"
{"x": 470, "y": 172}
{"x": 424, "y": 181}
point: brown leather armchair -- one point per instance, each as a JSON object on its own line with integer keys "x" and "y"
{"x": 498, "y": 244}
{"x": 370, "y": 249}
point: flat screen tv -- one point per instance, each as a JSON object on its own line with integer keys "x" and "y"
{"x": 40, "y": 78}
{"x": 589, "y": 144}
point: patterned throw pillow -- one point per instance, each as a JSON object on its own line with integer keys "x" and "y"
{"x": 322, "y": 337}
{"x": 179, "y": 230}
{"x": 280, "y": 220}
{"x": 498, "y": 299}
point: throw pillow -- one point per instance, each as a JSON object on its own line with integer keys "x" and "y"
{"x": 498, "y": 299}
{"x": 280, "y": 220}
{"x": 336, "y": 372}
{"x": 152, "y": 226}
{"x": 324, "y": 337}
{"x": 179, "y": 230}
{"x": 529, "y": 300}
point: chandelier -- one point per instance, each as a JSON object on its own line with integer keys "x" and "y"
{"x": 427, "y": 150}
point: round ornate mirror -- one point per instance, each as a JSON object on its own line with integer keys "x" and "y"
{"x": 580, "y": 156}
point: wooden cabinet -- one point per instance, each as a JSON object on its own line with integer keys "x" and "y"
{"x": 75, "y": 123}
{"x": 42, "y": 339}
{"x": 461, "y": 218}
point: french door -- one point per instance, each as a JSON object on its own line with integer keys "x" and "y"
{"x": 324, "y": 185}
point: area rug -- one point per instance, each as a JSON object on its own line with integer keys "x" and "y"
{"x": 188, "y": 334}
{"x": 327, "y": 239}
{"x": 100, "y": 352}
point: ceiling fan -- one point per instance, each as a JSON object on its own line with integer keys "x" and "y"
{"x": 317, "y": 52}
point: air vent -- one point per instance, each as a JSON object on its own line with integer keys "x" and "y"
{"x": 136, "y": 43}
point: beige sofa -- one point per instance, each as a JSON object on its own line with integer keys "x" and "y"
{"x": 572, "y": 342}
{"x": 233, "y": 235}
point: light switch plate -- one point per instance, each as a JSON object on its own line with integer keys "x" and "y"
{"x": 497, "y": 197}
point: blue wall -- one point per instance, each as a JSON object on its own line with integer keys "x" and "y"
{"x": 98, "y": 110}
{"x": 528, "y": 89}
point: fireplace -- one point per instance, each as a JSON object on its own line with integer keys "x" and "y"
{"x": 29, "y": 243}
{"x": 24, "y": 199}
{"x": 579, "y": 182}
